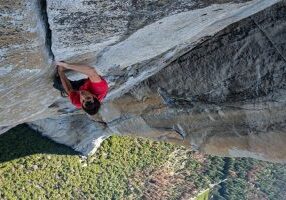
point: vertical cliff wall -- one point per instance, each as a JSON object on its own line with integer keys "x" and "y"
{"x": 204, "y": 74}
{"x": 25, "y": 86}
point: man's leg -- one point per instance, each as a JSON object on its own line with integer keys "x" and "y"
{"x": 58, "y": 84}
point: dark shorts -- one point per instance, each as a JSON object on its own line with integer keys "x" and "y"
{"x": 75, "y": 84}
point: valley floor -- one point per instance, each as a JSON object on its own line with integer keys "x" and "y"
{"x": 34, "y": 167}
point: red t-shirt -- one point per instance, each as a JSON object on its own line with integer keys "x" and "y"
{"x": 99, "y": 89}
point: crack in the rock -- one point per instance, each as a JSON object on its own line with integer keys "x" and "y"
{"x": 48, "y": 42}
{"x": 269, "y": 39}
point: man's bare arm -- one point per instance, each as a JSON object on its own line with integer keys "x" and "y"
{"x": 84, "y": 69}
{"x": 65, "y": 81}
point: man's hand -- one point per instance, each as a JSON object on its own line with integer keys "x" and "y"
{"x": 61, "y": 64}
{"x": 60, "y": 69}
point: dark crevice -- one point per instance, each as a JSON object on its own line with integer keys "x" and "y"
{"x": 48, "y": 42}
{"x": 223, "y": 191}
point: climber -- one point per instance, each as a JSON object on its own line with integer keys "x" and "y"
{"x": 85, "y": 93}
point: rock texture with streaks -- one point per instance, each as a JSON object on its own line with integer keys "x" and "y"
{"x": 24, "y": 63}
{"x": 210, "y": 75}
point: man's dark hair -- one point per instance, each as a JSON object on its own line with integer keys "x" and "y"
{"x": 91, "y": 108}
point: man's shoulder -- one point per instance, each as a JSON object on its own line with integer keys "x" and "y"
{"x": 101, "y": 83}
{"x": 95, "y": 78}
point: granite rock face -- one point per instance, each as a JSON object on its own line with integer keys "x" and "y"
{"x": 205, "y": 74}
{"x": 129, "y": 41}
{"x": 24, "y": 63}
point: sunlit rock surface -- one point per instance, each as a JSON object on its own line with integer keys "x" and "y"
{"x": 195, "y": 73}
{"x": 25, "y": 87}
{"x": 129, "y": 41}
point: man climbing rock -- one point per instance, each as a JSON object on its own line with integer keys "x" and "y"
{"x": 86, "y": 93}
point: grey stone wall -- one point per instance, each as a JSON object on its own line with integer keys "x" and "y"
{"x": 209, "y": 75}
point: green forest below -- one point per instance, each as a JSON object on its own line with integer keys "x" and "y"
{"x": 34, "y": 167}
